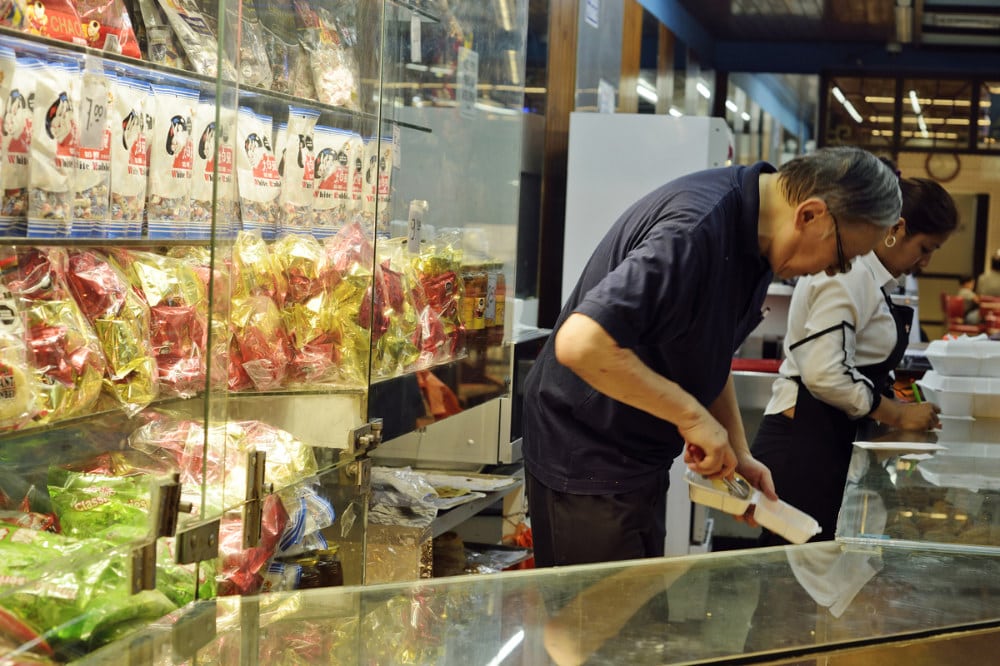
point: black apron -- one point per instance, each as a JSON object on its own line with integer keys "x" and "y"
{"x": 810, "y": 463}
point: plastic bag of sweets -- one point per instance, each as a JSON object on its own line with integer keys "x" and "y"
{"x": 296, "y": 167}
{"x": 64, "y": 352}
{"x": 8, "y": 63}
{"x": 121, "y": 320}
{"x": 57, "y": 19}
{"x": 330, "y": 189}
{"x": 377, "y": 186}
{"x": 108, "y": 27}
{"x": 255, "y": 271}
{"x": 131, "y": 131}
{"x": 156, "y": 37}
{"x": 93, "y": 162}
{"x": 18, "y": 392}
{"x": 178, "y": 307}
{"x": 261, "y": 344}
{"x": 196, "y": 38}
{"x": 332, "y": 61}
{"x": 213, "y": 155}
{"x": 17, "y": 130}
{"x": 53, "y": 151}
{"x": 257, "y": 171}
{"x": 255, "y": 68}
{"x": 171, "y": 158}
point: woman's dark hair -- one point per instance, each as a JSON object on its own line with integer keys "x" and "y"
{"x": 927, "y": 207}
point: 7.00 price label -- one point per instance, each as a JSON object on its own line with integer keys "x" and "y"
{"x": 94, "y": 104}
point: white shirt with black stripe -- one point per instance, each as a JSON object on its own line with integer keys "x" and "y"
{"x": 836, "y": 325}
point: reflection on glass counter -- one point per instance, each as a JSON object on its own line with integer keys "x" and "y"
{"x": 768, "y": 605}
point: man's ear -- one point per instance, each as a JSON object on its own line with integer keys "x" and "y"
{"x": 809, "y": 210}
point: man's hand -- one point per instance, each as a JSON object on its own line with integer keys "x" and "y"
{"x": 707, "y": 450}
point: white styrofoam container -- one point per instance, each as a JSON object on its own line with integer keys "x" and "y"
{"x": 778, "y": 516}
{"x": 965, "y": 357}
{"x": 962, "y": 396}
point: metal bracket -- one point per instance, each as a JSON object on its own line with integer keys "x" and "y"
{"x": 166, "y": 506}
{"x": 253, "y": 509}
{"x": 144, "y": 567}
{"x": 358, "y": 472}
{"x": 365, "y": 438}
{"x": 199, "y": 543}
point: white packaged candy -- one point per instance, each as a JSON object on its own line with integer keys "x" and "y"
{"x": 53, "y": 151}
{"x": 168, "y": 198}
{"x": 257, "y": 171}
{"x": 296, "y": 165}
{"x": 330, "y": 192}
{"x": 8, "y": 63}
{"x": 213, "y": 158}
{"x": 93, "y": 162}
{"x": 18, "y": 123}
{"x": 131, "y": 128}
{"x": 377, "y": 185}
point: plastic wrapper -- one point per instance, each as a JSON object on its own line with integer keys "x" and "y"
{"x": 281, "y": 57}
{"x": 171, "y": 157}
{"x": 56, "y": 19}
{"x": 394, "y": 320}
{"x": 121, "y": 320}
{"x": 53, "y": 150}
{"x": 63, "y": 349}
{"x": 255, "y": 271}
{"x": 296, "y": 167}
{"x": 102, "y": 505}
{"x": 14, "y": 14}
{"x": 257, "y": 171}
{"x": 218, "y": 280}
{"x": 255, "y": 68}
{"x": 108, "y": 27}
{"x": 131, "y": 132}
{"x": 71, "y": 591}
{"x": 196, "y": 38}
{"x": 18, "y": 390}
{"x": 377, "y": 185}
{"x": 243, "y": 569}
{"x": 17, "y": 131}
{"x": 437, "y": 296}
{"x": 178, "y": 306}
{"x": 308, "y": 513}
{"x": 331, "y": 191}
{"x": 332, "y": 61}
{"x": 156, "y": 37}
{"x": 8, "y": 64}
{"x": 92, "y": 182}
{"x": 260, "y": 349}
{"x": 214, "y": 158}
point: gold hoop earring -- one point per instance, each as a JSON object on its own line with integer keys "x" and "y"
{"x": 888, "y": 239}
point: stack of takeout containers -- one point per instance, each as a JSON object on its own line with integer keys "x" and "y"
{"x": 965, "y": 380}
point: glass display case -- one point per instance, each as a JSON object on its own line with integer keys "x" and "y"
{"x": 782, "y": 605}
{"x": 223, "y": 225}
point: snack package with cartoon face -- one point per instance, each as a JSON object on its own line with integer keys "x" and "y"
{"x": 296, "y": 166}
{"x": 131, "y": 131}
{"x": 108, "y": 27}
{"x": 56, "y": 19}
{"x": 171, "y": 161}
{"x": 53, "y": 151}
{"x": 16, "y": 133}
{"x": 331, "y": 196}
{"x": 93, "y": 162}
{"x": 257, "y": 171}
{"x": 214, "y": 159}
{"x": 376, "y": 183}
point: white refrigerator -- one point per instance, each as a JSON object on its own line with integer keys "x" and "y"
{"x": 613, "y": 160}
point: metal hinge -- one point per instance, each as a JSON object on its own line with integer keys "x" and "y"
{"x": 199, "y": 543}
{"x": 253, "y": 508}
{"x": 144, "y": 567}
{"x": 194, "y": 630}
{"x": 357, "y": 472}
{"x": 167, "y": 506}
{"x": 364, "y": 438}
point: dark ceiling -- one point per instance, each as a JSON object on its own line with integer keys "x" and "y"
{"x": 954, "y": 37}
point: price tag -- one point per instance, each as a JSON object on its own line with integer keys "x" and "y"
{"x": 418, "y": 209}
{"x": 414, "y": 38}
{"x": 93, "y": 110}
{"x": 468, "y": 81}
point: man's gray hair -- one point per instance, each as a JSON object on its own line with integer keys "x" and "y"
{"x": 856, "y": 185}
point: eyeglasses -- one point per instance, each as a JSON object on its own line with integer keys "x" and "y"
{"x": 842, "y": 264}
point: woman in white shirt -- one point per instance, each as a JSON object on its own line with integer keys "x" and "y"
{"x": 844, "y": 338}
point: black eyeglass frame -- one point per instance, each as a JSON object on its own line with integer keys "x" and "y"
{"x": 842, "y": 264}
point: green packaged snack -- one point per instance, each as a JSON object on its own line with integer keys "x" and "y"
{"x": 99, "y": 505}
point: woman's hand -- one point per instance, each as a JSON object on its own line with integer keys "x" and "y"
{"x": 919, "y": 416}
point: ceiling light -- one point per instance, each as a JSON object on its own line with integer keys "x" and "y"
{"x": 647, "y": 94}
{"x": 914, "y": 102}
{"x": 839, "y": 96}
{"x": 703, "y": 90}
{"x": 745, "y": 116}
{"x": 731, "y": 105}
{"x": 675, "y": 112}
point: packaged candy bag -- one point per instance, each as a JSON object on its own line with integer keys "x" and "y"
{"x": 108, "y": 27}
{"x": 131, "y": 131}
{"x": 171, "y": 158}
{"x": 57, "y": 19}
{"x": 257, "y": 170}
{"x": 332, "y": 61}
{"x": 196, "y": 37}
{"x": 18, "y": 392}
{"x": 18, "y": 126}
{"x": 296, "y": 167}
{"x": 331, "y": 196}
{"x": 53, "y": 151}
{"x": 93, "y": 173}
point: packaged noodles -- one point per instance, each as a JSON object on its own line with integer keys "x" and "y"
{"x": 296, "y": 167}
{"x": 17, "y": 130}
{"x": 53, "y": 150}
{"x": 168, "y": 197}
{"x": 131, "y": 129}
